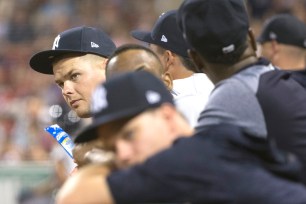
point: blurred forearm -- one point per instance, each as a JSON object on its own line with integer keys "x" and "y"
{"x": 88, "y": 185}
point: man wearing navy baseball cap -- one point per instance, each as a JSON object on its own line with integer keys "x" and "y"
{"x": 167, "y": 41}
{"x": 77, "y": 61}
{"x": 283, "y": 41}
{"x": 134, "y": 97}
{"x": 134, "y": 112}
{"x": 250, "y": 92}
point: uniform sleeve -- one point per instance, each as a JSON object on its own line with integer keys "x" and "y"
{"x": 164, "y": 177}
{"x": 135, "y": 185}
{"x": 233, "y": 102}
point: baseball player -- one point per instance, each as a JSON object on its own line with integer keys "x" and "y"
{"x": 249, "y": 92}
{"x": 77, "y": 60}
{"x": 283, "y": 41}
{"x": 168, "y": 43}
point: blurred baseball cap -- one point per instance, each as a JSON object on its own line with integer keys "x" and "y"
{"x": 217, "y": 27}
{"x": 75, "y": 40}
{"x": 166, "y": 34}
{"x": 285, "y": 29}
{"x": 124, "y": 96}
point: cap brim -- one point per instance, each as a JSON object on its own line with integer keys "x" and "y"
{"x": 142, "y": 36}
{"x": 90, "y": 133}
{"x": 260, "y": 39}
{"x": 87, "y": 134}
{"x": 42, "y": 61}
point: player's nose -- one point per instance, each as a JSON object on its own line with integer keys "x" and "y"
{"x": 124, "y": 153}
{"x": 67, "y": 88}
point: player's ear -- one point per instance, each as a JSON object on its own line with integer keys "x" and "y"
{"x": 168, "y": 57}
{"x": 168, "y": 110}
{"x": 168, "y": 81}
{"x": 252, "y": 39}
{"x": 104, "y": 62}
{"x": 102, "y": 67}
{"x": 275, "y": 46}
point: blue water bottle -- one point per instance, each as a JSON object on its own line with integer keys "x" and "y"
{"x": 61, "y": 137}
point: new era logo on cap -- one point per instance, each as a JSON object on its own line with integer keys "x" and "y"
{"x": 94, "y": 45}
{"x": 272, "y": 36}
{"x": 164, "y": 39}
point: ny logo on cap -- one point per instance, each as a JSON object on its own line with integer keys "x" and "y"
{"x": 164, "y": 39}
{"x": 99, "y": 100}
{"x": 56, "y": 42}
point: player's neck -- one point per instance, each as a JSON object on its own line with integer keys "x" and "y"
{"x": 220, "y": 72}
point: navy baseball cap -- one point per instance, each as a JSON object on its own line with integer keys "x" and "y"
{"x": 217, "y": 27}
{"x": 284, "y": 28}
{"x": 75, "y": 40}
{"x": 166, "y": 34}
{"x": 124, "y": 96}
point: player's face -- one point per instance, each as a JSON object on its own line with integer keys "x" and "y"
{"x": 77, "y": 77}
{"x": 139, "y": 138}
{"x": 134, "y": 60}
